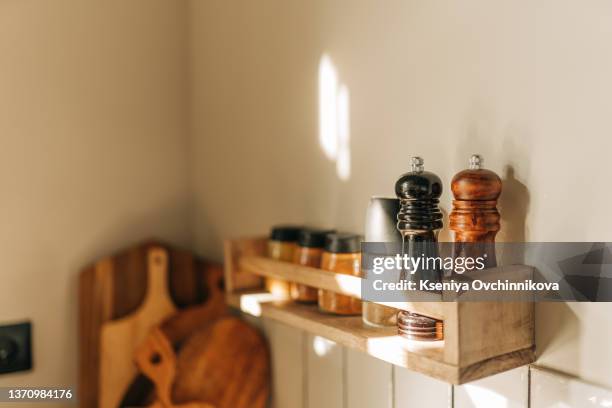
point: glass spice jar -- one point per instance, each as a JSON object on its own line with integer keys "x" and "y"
{"x": 342, "y": 255}
{"x": 281, "y": 246}
{"x": 309, "y": 251}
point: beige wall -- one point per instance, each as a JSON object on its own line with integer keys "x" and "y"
{"x": 527, "y": 84}
{"x": 92, "y": 155}
{"x": 94, "y": 100}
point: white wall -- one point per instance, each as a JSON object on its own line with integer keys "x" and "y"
{"x": 525, "y": 83}
{"x": 93, "y": 149}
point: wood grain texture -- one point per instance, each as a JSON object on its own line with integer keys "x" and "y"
{"x": 496, "y": 365}
{"x": 227, "y": 365}
{"x": 319, "y": 278}
{"x": 179, "y": 326}
{"x": 476, "y": 185}
{"x": 156, "y": 359}
{"x": 490, "y": 333}
{"x": 95, "y": 300}
{"x": 350, "y": 331}
{"x": 340, "y": 283}
{"x": 114, "y": 287}
{"x": 474, "y": 218}
{"x": 119, "y": 338}
{"x": 508, "y": 327}
{"x": 235, "y": 276}
{"x": 429, "y": 358}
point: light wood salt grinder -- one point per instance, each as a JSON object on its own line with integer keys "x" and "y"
{"x": 474, "y": 218}
{"x": 419, "y": 220}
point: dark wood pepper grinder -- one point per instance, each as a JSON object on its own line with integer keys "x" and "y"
{"x": 474, "y": 218}
{"x": 419, "y": 220}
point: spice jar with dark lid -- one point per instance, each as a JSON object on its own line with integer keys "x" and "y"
{"x": 309, "y": 251}
{"x": 342, "y": 255}
{"x": 281, "y": 246}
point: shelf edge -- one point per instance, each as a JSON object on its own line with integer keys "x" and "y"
{"x": 339, "y": 283}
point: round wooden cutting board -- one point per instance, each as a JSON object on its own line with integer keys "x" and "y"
{"x": 226, "y": 364}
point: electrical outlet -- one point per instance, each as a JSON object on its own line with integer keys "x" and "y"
{"x": 15, "y": 347}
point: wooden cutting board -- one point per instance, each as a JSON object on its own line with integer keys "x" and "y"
{"x": 156, "y": 359}
{"x": 114, "y": 289}
{"x": 119, "y": 338}
{"x": 226, "y": 364}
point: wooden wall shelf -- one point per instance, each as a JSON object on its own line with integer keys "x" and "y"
{"x": 481, "y": 338}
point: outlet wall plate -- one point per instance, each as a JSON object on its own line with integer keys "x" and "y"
{"x": 15, "y": 347}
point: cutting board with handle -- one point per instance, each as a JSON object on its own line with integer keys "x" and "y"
{"x": 156, "y": 359}
{"x": 226, "y": 364}
{"x": 223, "y": 365}
{"x": 119, "y": 338}
{"x": 114, "y": 291}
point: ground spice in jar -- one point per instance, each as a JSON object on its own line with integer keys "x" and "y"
{"x": 281, "y": 246}
{"x": 309, "y": 252}
{"x": 342, "y": 255}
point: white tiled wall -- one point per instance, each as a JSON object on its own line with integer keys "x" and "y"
{"x": 412, "y": 389}
{"x": 313, "y": 372}
{"x": 369, "y": 381}
{"x": 325, "y": 376}
{"x": 549, "y": 390}
{"x": 505, "y": 390}
{"x": 286, "y": 347}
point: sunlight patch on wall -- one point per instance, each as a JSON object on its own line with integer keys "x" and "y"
{"x": 251, "y": 303}
{"x": 334, "y": 118}
{"x": 322, "y": 346}
{"x": 483, "y": 397}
